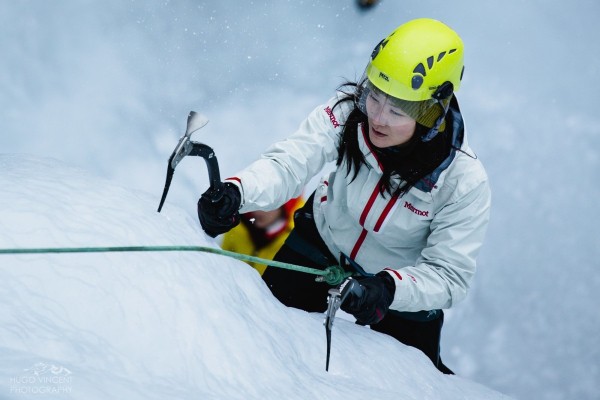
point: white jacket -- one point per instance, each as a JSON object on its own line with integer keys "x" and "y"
{"x": 427, "y": 240}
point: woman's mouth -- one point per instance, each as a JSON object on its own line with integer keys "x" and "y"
{"x": 377, "y": 133}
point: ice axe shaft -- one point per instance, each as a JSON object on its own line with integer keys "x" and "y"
{"x": 334, "y": 301}
{"x": 186, "y": 147}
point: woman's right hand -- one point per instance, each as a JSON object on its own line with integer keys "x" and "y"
{"x": 219, "y": 214}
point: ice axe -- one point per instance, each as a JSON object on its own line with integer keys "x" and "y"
{"x": 338, "y": 295}
{"x": 187, "y": 147}
{"x": 334, "y": 301}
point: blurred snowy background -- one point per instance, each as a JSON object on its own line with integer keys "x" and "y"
{"x": 107, "y": 86}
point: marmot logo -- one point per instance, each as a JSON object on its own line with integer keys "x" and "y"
{"x": 332, "y": 117}
{"x": 416, "y": 211}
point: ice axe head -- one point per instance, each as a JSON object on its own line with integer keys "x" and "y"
{"x": 195, "y": 121}
{"x": 186, "y": 147}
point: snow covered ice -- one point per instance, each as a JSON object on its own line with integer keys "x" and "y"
{"x": 106, "y": 87}
{"x": 171, "y": 325}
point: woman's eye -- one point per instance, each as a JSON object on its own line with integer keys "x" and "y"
{"x": 372, "y": 97}
{"x": 397, "y": 113}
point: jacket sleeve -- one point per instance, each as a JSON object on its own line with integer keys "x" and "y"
{"x": 441, "y": 276}
{"x": 285, "y": 168}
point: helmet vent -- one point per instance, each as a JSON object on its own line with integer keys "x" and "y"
{"x": 380, "y": 47}
{"x": 417, "y": 79}
{"x": 430, "y": 62}
{"x": 420, "y": 69}
{"x": 416, "y": 82}
{"x": 441, "y": 55}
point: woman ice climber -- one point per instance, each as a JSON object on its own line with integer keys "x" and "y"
{"x": 408, "y": 202}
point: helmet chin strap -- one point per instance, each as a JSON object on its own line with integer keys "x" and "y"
{"x": 444, "y": 91}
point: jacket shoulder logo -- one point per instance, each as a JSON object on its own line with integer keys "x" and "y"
{"x": 332, "y": 118}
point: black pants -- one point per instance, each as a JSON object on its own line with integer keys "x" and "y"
{"x": 299, "y": 290}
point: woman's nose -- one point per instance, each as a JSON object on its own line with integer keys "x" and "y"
{"x": 379, "y": 118}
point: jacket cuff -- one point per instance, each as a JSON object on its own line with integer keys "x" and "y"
{"x": 238, "y": 183}
{"x": 401, "y": 294}
{"x": 388, "y": 281}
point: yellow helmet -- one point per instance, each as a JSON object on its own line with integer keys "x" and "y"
{"x": 416, "y": 59}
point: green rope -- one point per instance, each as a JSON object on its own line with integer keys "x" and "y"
{"x": 333, "y": 275}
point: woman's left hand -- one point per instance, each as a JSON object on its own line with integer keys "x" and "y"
{"x": 372, "y": 303}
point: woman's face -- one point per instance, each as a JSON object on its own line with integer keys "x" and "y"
{"x": 388, "y": 125}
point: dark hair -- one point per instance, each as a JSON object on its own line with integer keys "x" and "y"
{"x": 410, "y": 162}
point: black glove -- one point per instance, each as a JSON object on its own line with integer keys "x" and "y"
{"x": 218, "y": 212}
{"x": 370, "y": 304}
